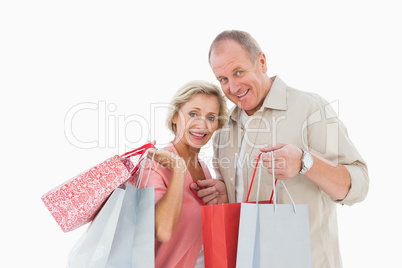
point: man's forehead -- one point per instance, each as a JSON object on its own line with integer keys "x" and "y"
{"x": 226, "y": 45}
{"x": 229, "y": 55}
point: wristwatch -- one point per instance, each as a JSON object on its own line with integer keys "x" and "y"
{"x": 307, "y": 162}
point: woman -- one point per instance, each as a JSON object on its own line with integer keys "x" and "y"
{"x": 199, "y": 108}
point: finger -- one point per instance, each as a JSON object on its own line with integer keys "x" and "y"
{"x": 266, "y": 160}
{"x": 203, "y": 192}
{"x": 279, "y": 174}
{"x": 162, "y": 157}
{"x": 194, "y": 186}
{"x": 278, "y": 165}
{"x": 151, "y": 152}
{"x": 270, "y": 148}
{"x": 206, "y": 183}
{"x": 151, "y": 142}
{"x": 209, "y": 198}
{"x": 212, "y": 202}
{"x": 265, "y": 156}
{"x": 280, "y": 161}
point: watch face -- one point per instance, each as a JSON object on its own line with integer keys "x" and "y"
{"x": 308, "y": 160}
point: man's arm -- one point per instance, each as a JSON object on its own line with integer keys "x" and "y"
{"x": 333, "y": 179}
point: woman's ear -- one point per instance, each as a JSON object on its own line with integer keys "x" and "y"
{"x": 174, "y": 119}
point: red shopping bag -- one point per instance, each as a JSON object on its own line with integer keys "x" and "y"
{"x": 76, "y": 202}
{"x": 220, "y": 230}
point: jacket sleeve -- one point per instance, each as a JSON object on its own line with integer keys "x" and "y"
{"x": 329, "y": 138}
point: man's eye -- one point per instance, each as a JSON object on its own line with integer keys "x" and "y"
{"x": 192, "y": 114}
{"x": 223, "y": 80}
{"x": 239, "y": 73}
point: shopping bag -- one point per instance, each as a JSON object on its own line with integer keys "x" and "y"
{"x": 134, "y": 240}
{"x": 122, "y": 234}
{"x": 274, "y": 235}
{"x": 93, "y": 248}
{"x": 220, "y": 228}
{"x": 76, "y": 202}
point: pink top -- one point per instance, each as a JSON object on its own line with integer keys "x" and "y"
{"x": 183, "y": 248}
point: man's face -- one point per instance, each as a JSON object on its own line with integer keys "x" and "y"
{"x": 244, "y": 83}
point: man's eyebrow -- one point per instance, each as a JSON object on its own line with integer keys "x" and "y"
{"x": 237, "y": 69}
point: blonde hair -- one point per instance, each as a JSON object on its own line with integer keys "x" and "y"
{"x": 187, "y": 92}
{"x": 244, "y": 39}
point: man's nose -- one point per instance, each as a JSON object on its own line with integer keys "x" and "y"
{"x": 234, "y": 86}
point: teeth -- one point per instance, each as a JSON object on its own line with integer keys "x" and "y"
{"x": 241, "y": 95}
{"x": 197, "y": 135}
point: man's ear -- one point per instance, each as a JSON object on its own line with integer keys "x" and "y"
{"x": 263, "y": 62}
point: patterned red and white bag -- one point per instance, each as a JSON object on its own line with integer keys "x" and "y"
{"x": 77, "y": 201}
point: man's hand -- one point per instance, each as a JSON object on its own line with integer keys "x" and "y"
{"x": 287, "y": 160}
{"x": 210, "y": 191}
{"x": 334, "y": 179}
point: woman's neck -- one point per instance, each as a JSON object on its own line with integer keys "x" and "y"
{"x": 188, "y": 153}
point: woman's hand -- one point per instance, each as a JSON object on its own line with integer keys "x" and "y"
{"x": 168, "y": 159}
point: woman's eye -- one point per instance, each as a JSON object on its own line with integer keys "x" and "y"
{"x": 211, "y": 118}
{"x": 192, "y": 114}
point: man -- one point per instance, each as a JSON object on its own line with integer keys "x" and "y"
{"x": 312, "y": 150}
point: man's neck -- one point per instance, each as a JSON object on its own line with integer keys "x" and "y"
{"x": 268, "y": 84}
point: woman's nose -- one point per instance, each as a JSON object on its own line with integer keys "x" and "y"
{"x": 201, "y": 122}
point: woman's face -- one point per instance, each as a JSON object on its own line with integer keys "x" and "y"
{"x": 197, "y": 120}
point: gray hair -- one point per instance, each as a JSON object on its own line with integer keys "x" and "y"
{"x": 187, "y": 92}
{"x": 244, "y": 39}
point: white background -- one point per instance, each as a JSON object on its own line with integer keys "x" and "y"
{"x": 130, "y": 55}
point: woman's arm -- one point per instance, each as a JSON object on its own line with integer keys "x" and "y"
{"x": 168, "y": 208}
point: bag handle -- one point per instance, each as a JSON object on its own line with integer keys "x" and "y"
{"x": 251, "y": 185}
{"x": 252, "y": 181}
{"x": 199, "y": 199}
{"x": 274, "y": 183}
{"x": 142, "y": 166}
{"x": 139, "y": 151}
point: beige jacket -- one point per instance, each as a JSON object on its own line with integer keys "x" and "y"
{"x": 309, "y": 122}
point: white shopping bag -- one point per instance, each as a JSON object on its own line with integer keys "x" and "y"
{"x": 122, "y": 234}
{"x": 274, "y": 235}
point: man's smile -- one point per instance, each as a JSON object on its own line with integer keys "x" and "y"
{"x": 243, "y": 94}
